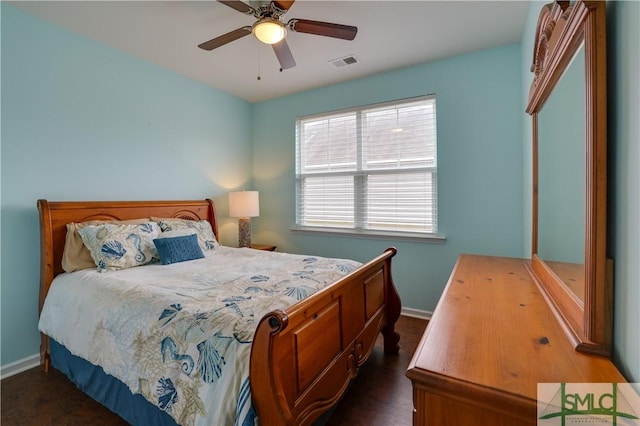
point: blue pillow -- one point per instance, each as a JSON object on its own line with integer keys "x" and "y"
{"x": 178, "y": 249}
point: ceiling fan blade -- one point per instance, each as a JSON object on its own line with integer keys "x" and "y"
{"x": 283, "y": 5}
{"x": 285, "y": 57}
{"x": 225, "y": 38}
{"x": 239, "y": 6}
{"x": 345, "y": 32}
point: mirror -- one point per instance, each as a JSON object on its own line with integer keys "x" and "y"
{"x": 561, "y": 177}
{"x": 567, "y": 102}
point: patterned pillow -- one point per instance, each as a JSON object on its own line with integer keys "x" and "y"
{"x": 178, "y": 249}
{"x": 206, "y": 238}
{"x": 75, "y": 255}
{"x": 121, "y": 246}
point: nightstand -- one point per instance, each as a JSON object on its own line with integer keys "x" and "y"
{"x": 264, "y": 247}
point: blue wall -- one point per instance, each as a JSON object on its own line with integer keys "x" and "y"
{"x": 479, "y": 166}
{"x": 81, "y": 121}
{"x": 623, "y": 75}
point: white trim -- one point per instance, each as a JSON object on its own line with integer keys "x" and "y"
{"x": 416, "y": 313}
{"x": 370, "y": 233}
{"x": 19, "y": 366}
{"x": 386, "y": 104}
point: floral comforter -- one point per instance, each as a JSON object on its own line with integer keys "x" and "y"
{"x": 181, "y": 334}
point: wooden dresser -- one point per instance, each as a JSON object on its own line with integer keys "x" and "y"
{"x": 491, "y": 340}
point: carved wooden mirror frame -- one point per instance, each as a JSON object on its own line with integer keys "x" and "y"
{"x": 562, "y": 30}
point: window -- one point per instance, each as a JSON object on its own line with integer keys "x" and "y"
{"x": 369, "y": 170}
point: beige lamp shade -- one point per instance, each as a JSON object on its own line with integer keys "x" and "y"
{"x": 244, "y": 204}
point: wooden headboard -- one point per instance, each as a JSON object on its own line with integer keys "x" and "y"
{"x": 54, "y": 217}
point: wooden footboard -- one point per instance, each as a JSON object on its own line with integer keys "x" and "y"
{"x": 303, "y": 358}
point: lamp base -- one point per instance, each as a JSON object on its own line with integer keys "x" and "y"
{"x": 244, "y": 232}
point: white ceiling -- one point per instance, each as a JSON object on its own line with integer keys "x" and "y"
{"x": 391, "y": 34}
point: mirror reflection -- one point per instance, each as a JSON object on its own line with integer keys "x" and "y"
{"x": 562, "y": 178}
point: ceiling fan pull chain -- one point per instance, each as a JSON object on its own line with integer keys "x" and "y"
{"x": 259, "y": 78}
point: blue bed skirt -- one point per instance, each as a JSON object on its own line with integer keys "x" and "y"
{"x": 107, "y": 390}
{"x": 113, "y": 394}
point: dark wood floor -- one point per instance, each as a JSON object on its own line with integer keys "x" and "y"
{"x": 381, "y": 395}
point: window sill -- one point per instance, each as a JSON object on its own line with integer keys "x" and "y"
{"x": 372, "y": 234}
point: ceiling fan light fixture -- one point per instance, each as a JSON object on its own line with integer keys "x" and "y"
{"x": 269, "y": 31}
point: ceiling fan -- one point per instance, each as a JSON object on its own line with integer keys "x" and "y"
{"x": 269, "y": 29}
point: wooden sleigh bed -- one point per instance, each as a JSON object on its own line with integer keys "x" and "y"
{"x": 302, "y": 358}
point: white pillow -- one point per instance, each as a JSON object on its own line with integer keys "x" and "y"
{"x": 206, "y": 238}
{"x": 178, "y": 233}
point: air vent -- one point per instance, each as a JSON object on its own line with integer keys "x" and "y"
{"x": 347, "y": 60}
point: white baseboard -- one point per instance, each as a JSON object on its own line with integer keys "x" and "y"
{"x": 416, "y": 313}
{"x": 19, "y": 366}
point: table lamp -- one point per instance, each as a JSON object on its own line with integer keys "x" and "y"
{"x": 244, "y": 205}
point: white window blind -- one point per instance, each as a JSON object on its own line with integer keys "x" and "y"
{"x": 372, "y": 168}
